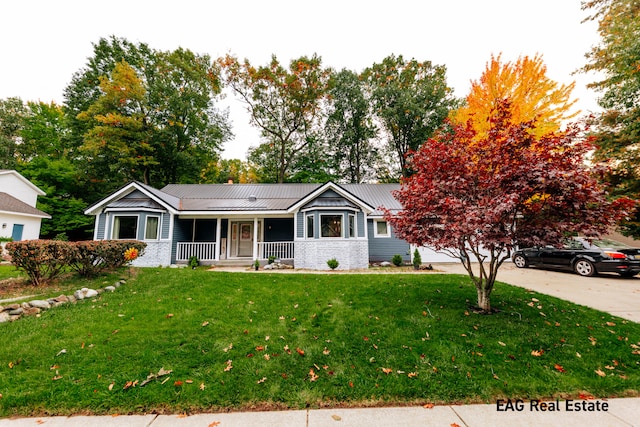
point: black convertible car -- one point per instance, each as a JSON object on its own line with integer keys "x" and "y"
{"x": 584, "y": 257}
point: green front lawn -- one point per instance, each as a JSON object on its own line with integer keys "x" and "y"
{"x": 244, "y": 340}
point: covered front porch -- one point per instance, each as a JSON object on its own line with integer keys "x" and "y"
{"x": 214, "y": 240}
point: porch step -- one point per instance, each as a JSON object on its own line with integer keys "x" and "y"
{"x": 247, "y": 262}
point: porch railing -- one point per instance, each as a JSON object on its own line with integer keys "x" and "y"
{"x": 282, "y": 250}
{"x": 204, "y": 251}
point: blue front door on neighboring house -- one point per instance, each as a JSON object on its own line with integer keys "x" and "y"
{"x": 16, "y": 234}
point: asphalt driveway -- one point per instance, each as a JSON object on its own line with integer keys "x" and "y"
{"x": 607, "y": 292}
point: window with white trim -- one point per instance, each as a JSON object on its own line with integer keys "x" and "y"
{"x": 381, "y": 228}
{"x": 151, "y": 228}
{"x": 125, "y": 227}
{"x": 309, "y": 234}
{"x": 352, "y": 226}
{"x": 331, "y": 226}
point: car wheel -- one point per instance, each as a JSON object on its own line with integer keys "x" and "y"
{"x": 584, "y": 268}
{"x": 520, "y": 261}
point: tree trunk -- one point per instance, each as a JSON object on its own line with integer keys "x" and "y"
{"x": 484, "y": 299}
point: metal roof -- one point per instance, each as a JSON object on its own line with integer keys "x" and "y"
{"x": 239, "y": 197}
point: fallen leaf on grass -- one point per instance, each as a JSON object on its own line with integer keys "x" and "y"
{"x": 611, "y": 324}
{"x": 412, "y": 374}
{"x": 263, "y": 379}
{"x": 229, "y": 366}
{"x": 178, "y": 383}
{"x": 387, "y": 370}
{"x": 63, "y": 351}
{"x": 205, "y": 323}
{"x": 300, "y": 351}
{"x": 537, "y": 353}
{"x": 110, "y": 386}
{"x": 226, "y": 349}
{"x": 326, "y": 351}
{"x": 202, "y": 386}
{"x": 600, "y": 372}
{"x": 312, "y": 375}
{"x": 502, "y": 344}
{"x": 260, "y": 348}
{"x": 559, "y": 368}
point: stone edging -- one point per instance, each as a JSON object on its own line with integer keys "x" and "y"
{"x": 13, "y": 312}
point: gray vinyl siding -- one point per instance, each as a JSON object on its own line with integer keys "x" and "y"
{"x": 384, "y": 248}
{"x": 360, "y": 224}
{"x": 102, "y": 225}
{"x": 166, "y": 226}
{"x": 300, "y": 226}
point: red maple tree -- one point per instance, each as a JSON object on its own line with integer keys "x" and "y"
{"x": 477, "y": 197}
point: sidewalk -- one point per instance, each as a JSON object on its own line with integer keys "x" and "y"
{"x": 620, "y": 412}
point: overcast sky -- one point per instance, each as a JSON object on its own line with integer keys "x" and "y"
{"x": 45, "y": 41}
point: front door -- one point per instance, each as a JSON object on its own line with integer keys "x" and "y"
{"x": 242, "y": 239}
{"x": 16, "y": 233}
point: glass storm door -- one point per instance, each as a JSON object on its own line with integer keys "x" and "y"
{"x": 244, "y": 239}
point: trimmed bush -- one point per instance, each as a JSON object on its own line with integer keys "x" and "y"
{"x": 417, "y": 259}
{"x": 397, "y": 260}
{"x": 333, "y": 263}
{"x": 44, "y": 260}
{"x": 41, "y": 260}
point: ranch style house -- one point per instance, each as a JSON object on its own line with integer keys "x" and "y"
{"x": 300, "y": 224}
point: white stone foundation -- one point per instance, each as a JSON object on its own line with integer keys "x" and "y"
{"x": 313, "y": 254}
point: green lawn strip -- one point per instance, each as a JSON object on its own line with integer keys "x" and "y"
{"x": 237, "y": 341}
{"x": 8, "y": 271}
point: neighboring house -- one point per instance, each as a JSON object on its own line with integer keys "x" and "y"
{"x": 19, "y": 218}
{"x": 303, "y": 224}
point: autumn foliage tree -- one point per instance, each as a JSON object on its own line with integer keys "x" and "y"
{"x": 533, "y": 96}
{"x": 476, "y": 197}
{"x": 284, "y": 103}
{"x": 615, "y": 59}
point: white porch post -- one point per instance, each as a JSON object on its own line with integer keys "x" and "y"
{"x": 218, "y": 231}
{"x": 255, "y": 238}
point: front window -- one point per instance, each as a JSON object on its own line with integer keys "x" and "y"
{"x": 151, "y": 230}
{"x": 310, "y": 232}
{"x": 125, "y": 227}
{"x": 331, "y": 225}
{"x": 352, "y": 226}
{"x": 381, "y": 229}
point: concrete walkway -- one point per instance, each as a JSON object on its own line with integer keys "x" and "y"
{"x": 618, "y": 413}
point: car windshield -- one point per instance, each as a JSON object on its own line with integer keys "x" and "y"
{"x": 608, "y": 243}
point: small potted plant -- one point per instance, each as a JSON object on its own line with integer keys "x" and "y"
{"x": 256, "y": 265}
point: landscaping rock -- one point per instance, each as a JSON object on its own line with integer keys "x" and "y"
{"x": 78, "y": 295}
{"x": 90, "y": 293}
{"x": 61, "y": 298}
{"x": 4, "y": 317}
{"x": 31, "y": 311}
{"x": 11, "y": 307}
{"x": 110, "y": 288}
{"x": 16, "y": 312}
{"x": 385, "y": 264}
{"x": 37, "y": 303}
